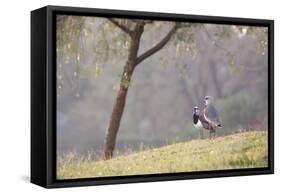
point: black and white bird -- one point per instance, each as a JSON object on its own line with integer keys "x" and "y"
{"x": 211, "y": 114}
{"x": 200, "y": 122}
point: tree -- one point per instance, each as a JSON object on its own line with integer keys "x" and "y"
{"x": 132, "y": 61}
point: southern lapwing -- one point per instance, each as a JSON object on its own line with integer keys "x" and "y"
{"x": 200, "y": 122}
{"x": 211, "y": 114}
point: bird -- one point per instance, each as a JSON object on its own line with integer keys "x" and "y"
{"x": 211, "y": 114}
{"x": 200, "y": 122}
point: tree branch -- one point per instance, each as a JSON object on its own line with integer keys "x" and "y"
{"x": 121, "y": 26}
{"x": 158, "y": 46}
{"x": 215, "y": 42}
{"x": 143, "y": 21}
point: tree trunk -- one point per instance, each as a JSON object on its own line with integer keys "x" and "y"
{"x": 218, "y": 87}
{"x": 120, "y": 101}
{"x": 114, "y": 122}
{"x": 187, "y": 93}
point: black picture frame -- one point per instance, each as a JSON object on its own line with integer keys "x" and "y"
{"x": 43, "y": 96}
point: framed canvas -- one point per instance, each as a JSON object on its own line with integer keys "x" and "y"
{"x": 126, "y": 96}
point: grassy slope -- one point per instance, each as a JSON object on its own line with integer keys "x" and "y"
{"x": 244, "y": 150}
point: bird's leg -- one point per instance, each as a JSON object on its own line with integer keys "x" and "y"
{"x": 200, "y": 133}
{"x": 212, "y": 132}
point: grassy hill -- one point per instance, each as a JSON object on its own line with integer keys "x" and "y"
{"x": 243, "y": 150}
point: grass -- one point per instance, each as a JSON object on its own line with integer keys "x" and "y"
{"x": 243, "y": 150}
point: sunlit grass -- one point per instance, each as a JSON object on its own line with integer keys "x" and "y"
{"x": 244, "y": 150}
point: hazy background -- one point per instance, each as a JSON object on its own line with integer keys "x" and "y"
{"x": 227, "y": 62}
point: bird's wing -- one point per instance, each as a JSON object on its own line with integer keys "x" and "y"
{"x": 211, "y": 114}
{"x": 204, "y": 122}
